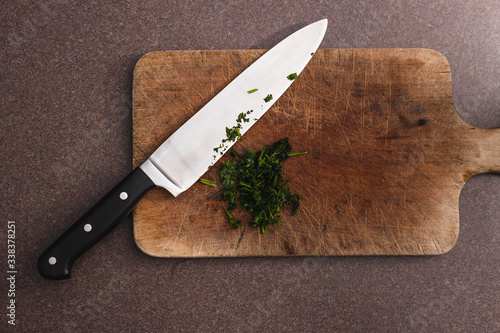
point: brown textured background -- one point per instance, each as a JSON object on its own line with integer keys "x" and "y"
{"x": 65, "y": 132}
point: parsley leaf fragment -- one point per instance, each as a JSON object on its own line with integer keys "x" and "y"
{"x": 254, "y": 181}
{"x": 208, "y": 182}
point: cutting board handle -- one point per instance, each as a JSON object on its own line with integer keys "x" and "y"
{"x": 487, "y": 156}
{"x": 56, "y": 262}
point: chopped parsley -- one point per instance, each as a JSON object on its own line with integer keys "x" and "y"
{"x": 252, "y": 91}
{"x": 292, "y": 76}
{"x": 255, "y": 182}
{"x": 268, "y": 98}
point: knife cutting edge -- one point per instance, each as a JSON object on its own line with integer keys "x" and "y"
{"x": 187, "y": 154}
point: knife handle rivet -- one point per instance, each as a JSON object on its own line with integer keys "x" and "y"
{"x": 52, "y": 260}
{"x": 123, "y": 195}
{"x": 87, "y": 227}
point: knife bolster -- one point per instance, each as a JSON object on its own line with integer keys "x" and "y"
{"x": 159, "y": 178}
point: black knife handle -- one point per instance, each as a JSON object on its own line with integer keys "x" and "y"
{"x": 56, "y": 262}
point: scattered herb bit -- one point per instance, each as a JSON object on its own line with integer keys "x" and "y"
{"x": 252, "y": 91}
{"x": 232, "y": 134}
{"x": 297, "y": 154}
{"x": 312, "y": 53}
{"x": 242, "y": 117}
{"x": 233, "y": 220}
{"x": 255, "y": 182}
{"x": 208, "y": 182}
{"x": 268, "y": 98}
{"x": 292, "y": 76}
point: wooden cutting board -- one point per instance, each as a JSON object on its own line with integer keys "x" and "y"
{"x": 388, "y": 155}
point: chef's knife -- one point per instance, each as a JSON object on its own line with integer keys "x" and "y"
{"x": 187, "y": 154}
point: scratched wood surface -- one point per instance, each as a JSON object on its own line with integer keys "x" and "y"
{"x": 388, "y": 155}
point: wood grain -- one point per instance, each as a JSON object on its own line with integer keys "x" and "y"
{"x": 388, "y": 154}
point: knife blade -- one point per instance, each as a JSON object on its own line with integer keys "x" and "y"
{"x": 197, "y": 145}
